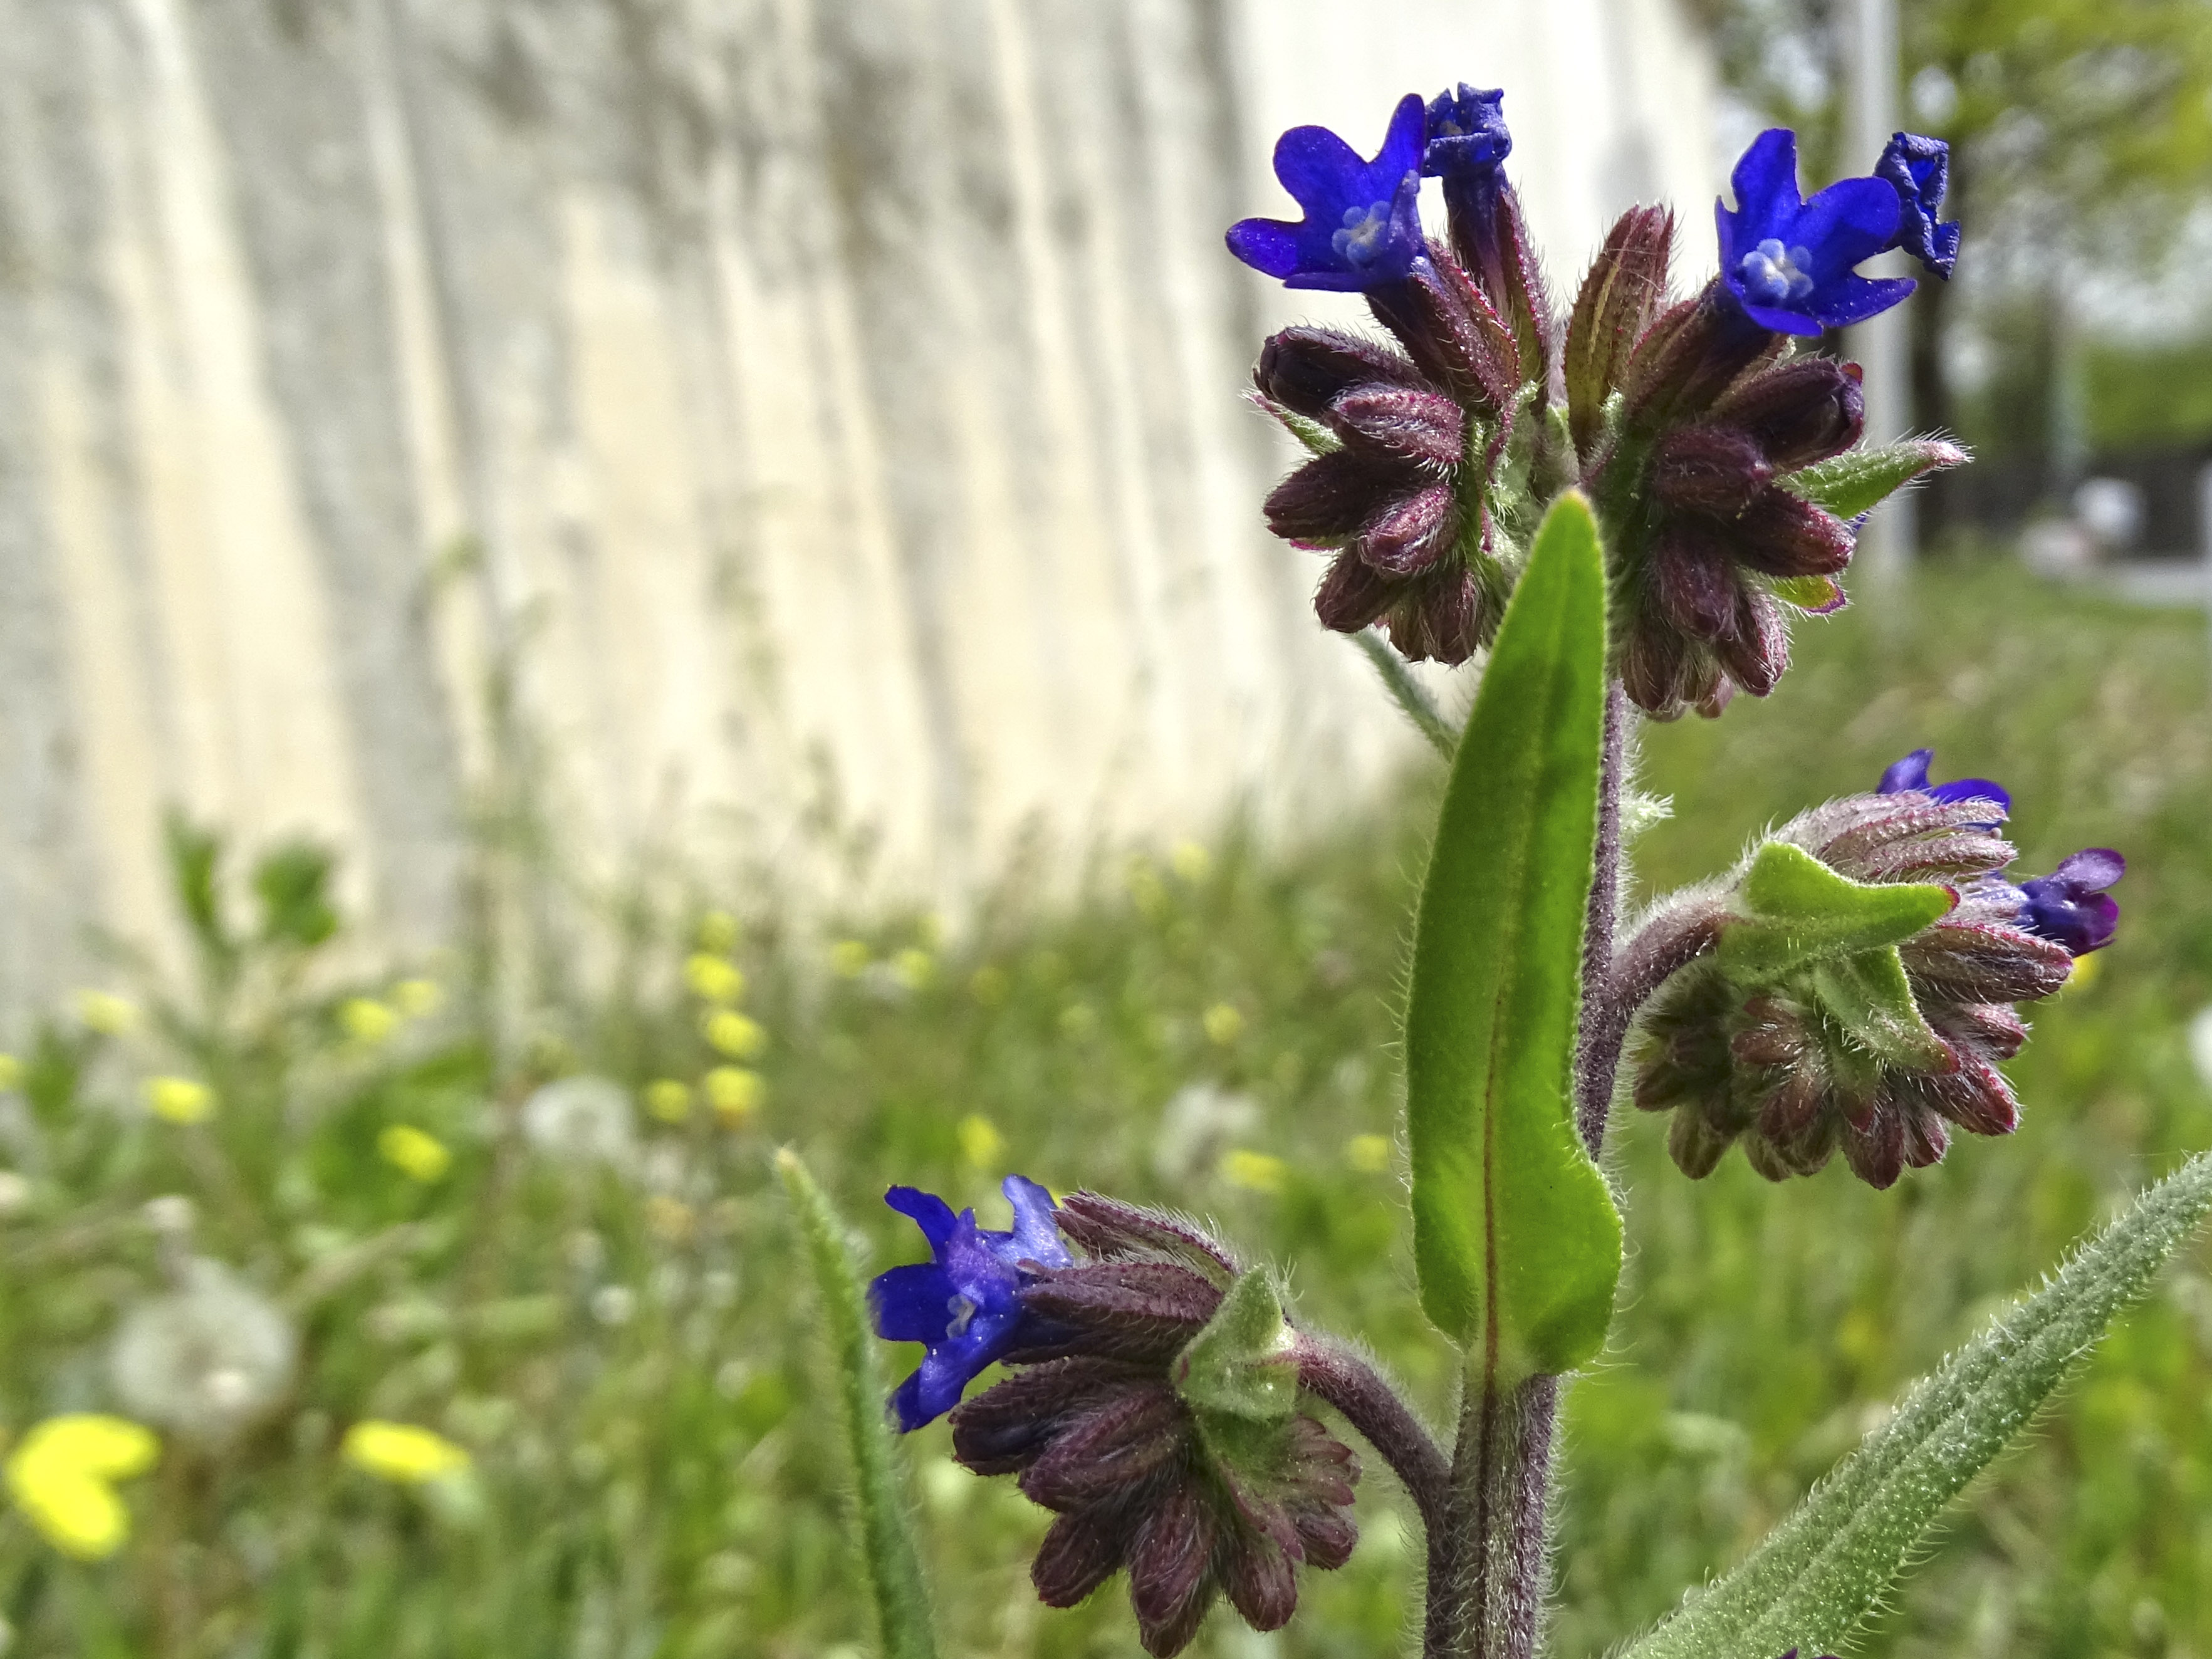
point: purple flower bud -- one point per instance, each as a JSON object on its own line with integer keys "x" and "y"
{"x": 1713, "y": 469}
{"x": 1305, "y": 369}
{"x": 1796, "y": 1060}
{"x": 965, "y": 1305}
{"x": 1102, "y": 1435}
{"x": 2070, "y": 906}
{"x": 1798, "y": 412}
{"x": 1362, "y": 228}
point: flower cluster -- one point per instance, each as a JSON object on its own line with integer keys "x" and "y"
{"x": 1697, "y": 436}
{"x": 1878, "y": 1052}
{"x": 1107, "y": 1419}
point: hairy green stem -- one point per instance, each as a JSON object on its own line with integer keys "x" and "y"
{"x": 901, "y": 1598}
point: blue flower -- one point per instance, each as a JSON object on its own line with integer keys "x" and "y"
{"x": 1362, "y": 223}
{"x": 966, "y": 1304}
{"x": 1789, "y": 262}
{"x": 1466, "y": 136}
{"x": 2069, "y": 906}
{"x": 1911, "y": 773}
{"x": 1920, "y": 169}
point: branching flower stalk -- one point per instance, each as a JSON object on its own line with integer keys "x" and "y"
{"x": 1619, "y": 506}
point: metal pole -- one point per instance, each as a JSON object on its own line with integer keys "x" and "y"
{"x": 1881, "y": 345}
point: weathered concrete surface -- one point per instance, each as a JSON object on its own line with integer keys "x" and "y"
{"x": 828, "y": 408}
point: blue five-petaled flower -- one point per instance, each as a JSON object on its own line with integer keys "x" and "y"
{"x": 2069, "y": 906}
{"x": 1362, "y": 223}
{"x": 1790, "y": 263}
{"x": 1911, "y": 773}
{"x": 1919, "y": 169}
{"x": 1466, "y": 135}
{"x": 966, "y": 1303}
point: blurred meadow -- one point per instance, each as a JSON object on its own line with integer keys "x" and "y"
{"x": 511, "y": 466}
{"x": 561, "y": 1248}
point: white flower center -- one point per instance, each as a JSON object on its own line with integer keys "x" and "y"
{"x": 1363, "y": 229}
{"x": 1773, "y": 274}
{"x": 962, "y": 1310}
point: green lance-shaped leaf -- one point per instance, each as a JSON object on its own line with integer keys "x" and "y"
{"x": 894, "y": 1568}
{"x": 1826, "y": 1567}
{"x": 1850, "y": 483}
{"x": 1514, "y": 1233}
{"x": 1796, "y": 910}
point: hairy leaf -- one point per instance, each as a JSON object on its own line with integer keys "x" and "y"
{"x": 894, "y": 1569}
{"x": 1798, "y": 911}
{"x": 1821, "y": 1571}
{"x": 1850, "y": 483}
{"x": 1515, "y": 1235}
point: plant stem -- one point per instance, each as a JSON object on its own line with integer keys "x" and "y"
{"x": 1671, "y": 940}
{"x": 1593, "y": 1068}
{"x": 1344, "y": 1378}
{"x": 1487, "y": 1566}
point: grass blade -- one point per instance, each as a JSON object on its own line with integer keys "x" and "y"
{"x": 894, "y": 1568}
{"x": 1820, "y": 1571}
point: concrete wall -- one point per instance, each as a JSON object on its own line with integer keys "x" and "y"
{"x": 828, "y": 408}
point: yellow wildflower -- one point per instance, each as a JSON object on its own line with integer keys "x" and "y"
{"x": 106, "y": 1013}
{"x": 1368, "y": 1154}
{"x": 848, "y": 958}
{"x": 734, "y": 1093}
{"x": 59, "y": 1478}
{"x": 981, "y": 1142}
{"x": 670, "y": 1219}
{"x": 365, "y": 1020}
{"x": 1256, "y": 1172}
{"x": 401, "y": 1453}
{"x": 733, "y": 1034}
{"x": 718, "y": 932}
{"x": 668, "y": 1100}
{"x": 712, "y": 979}
{"x": 422, "y": 1156}
{"x": 915, "y": 969}
{"x": 417, "y": 999}
{"x": 2085, "y": 971}
{"x": 1224, "y": 1024}
{"x": 11, "y": 1071}
{"x": 178, "y": 1099}
{"x": 1191, "y": 861}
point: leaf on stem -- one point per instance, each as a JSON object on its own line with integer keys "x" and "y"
{"x": 1515, "y": 1237}
{"x": 894, "y": 1568}
{"x": 1822, "y": 1570}
{"x": 1858, "y": 479}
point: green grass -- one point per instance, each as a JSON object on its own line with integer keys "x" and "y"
{"x": 674, "y": 1485}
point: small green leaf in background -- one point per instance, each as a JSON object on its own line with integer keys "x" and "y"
{"x": 1515, "y": 1237}
{"x": 1797, "y": 911}
{"x": 894, "y": 1568}
{"x": 1822, "y": 1570}
{"x": 1411, "y": 698}
{"x": 1858, "y": 479}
